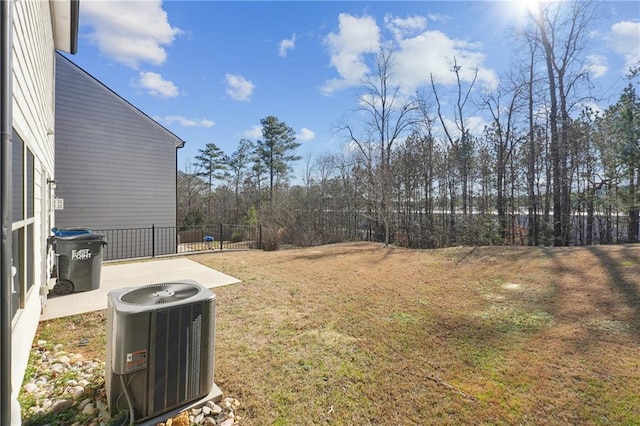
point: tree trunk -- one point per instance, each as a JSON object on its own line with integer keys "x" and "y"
{"x": 590, "y": 214}
{"x": 556, "y": 172}
{"x": 563, "y": 151}
{"x": 531, "y": 178}
{"x": 634, "y": 213}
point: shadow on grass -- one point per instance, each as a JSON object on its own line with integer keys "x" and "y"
{"x": 576, "y": 296}
{"x": 620, "y": 281}
{"x": 367, "y": 247}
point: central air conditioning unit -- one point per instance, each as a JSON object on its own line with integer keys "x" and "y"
{"x": 160, "y": 347}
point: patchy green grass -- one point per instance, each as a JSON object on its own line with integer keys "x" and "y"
{"x": 360, "y": 334}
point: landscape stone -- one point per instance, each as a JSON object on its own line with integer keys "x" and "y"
{"x": 78, "y": 391}
{"x": 89, "y": 409}
{"x": 215, "y": 408}
{"x": 181, "y": 419}
{"x": 61, "y": 405}
{"x": 30, "y": 387}
{"x": 51, "y": 397}
{"x": 227, "y": 422}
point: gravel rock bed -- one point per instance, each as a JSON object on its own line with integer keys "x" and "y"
{"x": 62, "y": 388}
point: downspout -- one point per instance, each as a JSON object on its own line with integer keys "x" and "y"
{"x": 178, "y": 146}
{"x": 6, "y": 278}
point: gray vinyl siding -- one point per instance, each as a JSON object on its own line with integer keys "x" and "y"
{"x": 115, "y": 166}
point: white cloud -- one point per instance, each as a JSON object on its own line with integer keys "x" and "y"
{"x": 130, "y": 32}
{"x": 433, "y": 53}
{"x": 438, "y": 17}
{"x": 355, "y": 37}
{"x": 401, "y": 28}
{"x": 154, "y": 84}
{"x": 596, "y": 65}
{"x": 239, "y": 88}
{"x": 419, "y": 54}
{"x": 474, "y": 124}
{"x": 286, "y": 45}
{"x": 367, "y": 100}
{"x": 187, "y": 122}
{"x": 305, "y": 134}
{"x": 254, "y": 133}
{"x": 623, "y": 38}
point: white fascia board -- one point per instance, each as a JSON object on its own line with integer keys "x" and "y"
{"x": 64, "y": 17}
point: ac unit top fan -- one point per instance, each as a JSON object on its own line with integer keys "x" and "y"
{"x": 160, "y": 293}
{"x": 160, "y": 347}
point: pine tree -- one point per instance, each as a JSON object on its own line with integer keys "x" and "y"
{"x": 211, "y": 163}
{"x": 276, "y": 150}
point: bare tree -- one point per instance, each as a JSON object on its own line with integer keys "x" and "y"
{"x": 561, "y": 31}
{"x": 502, "y": 134}
{"x": 389, "y": 116}
{"x": 459, "y": 150}
{"x": 191, "y": 193}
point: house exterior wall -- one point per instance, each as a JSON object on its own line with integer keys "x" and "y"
{"x": 115, "y": 166}
{"x": 33, "y": 151}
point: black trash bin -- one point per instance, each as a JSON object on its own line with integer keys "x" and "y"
{"x": 79, "y": 262}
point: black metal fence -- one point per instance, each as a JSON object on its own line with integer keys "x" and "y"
{"x": 155, "y": 241}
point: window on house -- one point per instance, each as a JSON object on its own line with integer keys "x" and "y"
{"x": 23, "y": 222}
{"x": 29, "y": 184}
{"x": 17, "y": 186}
{"x": 16, "y": 261}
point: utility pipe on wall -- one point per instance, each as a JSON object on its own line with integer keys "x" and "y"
{"x": 6, "y": 279}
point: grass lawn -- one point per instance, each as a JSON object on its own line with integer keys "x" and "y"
{"x": 362, "y": 334}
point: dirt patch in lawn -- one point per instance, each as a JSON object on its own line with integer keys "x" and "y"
{"x": 359, "y": 333}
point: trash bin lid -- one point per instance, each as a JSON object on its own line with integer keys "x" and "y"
{"x": 66, "y": 232}
{"x": 82, "y": 237}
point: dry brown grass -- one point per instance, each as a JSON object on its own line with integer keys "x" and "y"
{"x": 359, "y": 334}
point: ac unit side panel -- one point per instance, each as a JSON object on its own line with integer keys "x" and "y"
{"x": 137, "y": 384}
{"x": 131, "y": 342}
{"x": 109, "y": 379}
{"x": 209, "y": 332}
{"x": 120, "y": 342}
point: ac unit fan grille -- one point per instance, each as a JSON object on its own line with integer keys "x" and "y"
{"x": 178, "y": 353}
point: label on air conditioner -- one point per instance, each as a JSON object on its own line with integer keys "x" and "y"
{"x": 82, "y": 254}
{"x": 137, "y": 359}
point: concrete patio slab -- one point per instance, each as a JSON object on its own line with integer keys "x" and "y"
{"x": 135, "y": 274}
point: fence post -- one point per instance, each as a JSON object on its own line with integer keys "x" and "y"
{"x": 260, "y": 236}
{"x": 153, "y": 240}
{"x": 220, "y": 236}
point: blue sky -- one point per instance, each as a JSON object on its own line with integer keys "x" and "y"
{"x": 210, "y": 70}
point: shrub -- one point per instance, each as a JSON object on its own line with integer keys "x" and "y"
{"x": 271, "y": 238}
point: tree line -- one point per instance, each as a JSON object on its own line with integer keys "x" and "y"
{"x": 546, "y": 168}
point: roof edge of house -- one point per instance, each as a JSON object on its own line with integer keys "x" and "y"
{"x": 179, "y": 141}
